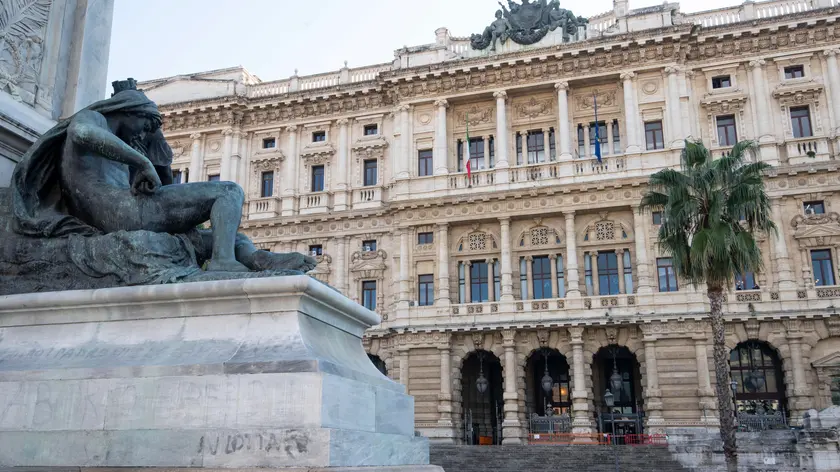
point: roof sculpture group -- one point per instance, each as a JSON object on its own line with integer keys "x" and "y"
{"x": 527, "y": 23}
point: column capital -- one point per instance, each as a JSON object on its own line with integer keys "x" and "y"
{"x": 343, "y": 122}
{"x": 562, "y": 85}
{"x": 467, "y": 263}
{"x": 443, "y": 225}
{"x": 490, "y": 260}
{"x": 500, "y": 94}
{"x": 442, "y": 103}
{"x": 529, "y": 258}
{"x": 504, "y": 220}
{"x": 625, "y": 76}
{"x": 552, "y": 257}
{"x": 227, "y": 131}
{"x": 619, "y": 251}
{"x": 195, "y": 136}
{"x": 569, "y": 214}
{"x": 508, "y": 337}
{"x": 757, "y": 63}
{"x": 671, "y": 70}
{"x": 403, "y": 108}
{"x": 576, "y": 333}
{"x": 292, "y": 128}
{"x": 831, "y": 52}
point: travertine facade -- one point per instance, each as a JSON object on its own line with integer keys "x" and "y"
{"x": 541, "y": 248}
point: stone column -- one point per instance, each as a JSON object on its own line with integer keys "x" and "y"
{"x": 235, "y": 159}
{"x": 834, "y": 82}
{"x": 801, "y": 400}
{"x": 586, "y": 143}
{"x": 507, "y": 273}
{"x": 780, "y": 252}
{"x": 227, "y": 150}
{"x": 486, "y": 152}
{"x": 404, "y": 157}
{"x": 630, "y": 112}
{"x": 619, "y": 257}
{"x": 672, "y": 105}
{"x": 554, "y": 292}
{"x": 580, "y": 407}
{"x": 502, "y": 133}
{"x": 443, "y": 265}
{"x": 642, "y": 267}
{"x": 341, "y": 264}
{"x": 596, "y": 283}
{"x": 529, "y": 277}
{"x": 290, "y": 178}
{"x": 445, "y": 397}
{"x": 511, "y": 428}
{"x": 762, "y": 100}
{"x": 573, "y": 290}
{"x": 653, "y": 395}
{"x": 340, "y": 196}
{"x": 467, "y": 284}
{"x": 440, "y": 156}
{"x": 404, "y": 267}
{"x": 196, "y": 161}
{"x": 491, "y": 284}
{"x": 610, "y": 141}
{"x": 403, "y": 352}
{"x": 564, "y": 151}
{"x": 708, "y": 404}
{"x": 546, "y": 132}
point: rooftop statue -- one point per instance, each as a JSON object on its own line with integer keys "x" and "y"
{"x": 527, "y": 23}
{"x": 92, "y": 204}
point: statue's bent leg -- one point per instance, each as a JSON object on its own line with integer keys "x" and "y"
{"x": 259, "y": 259}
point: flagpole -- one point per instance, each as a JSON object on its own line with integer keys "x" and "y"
{"x": 469, "y": 167}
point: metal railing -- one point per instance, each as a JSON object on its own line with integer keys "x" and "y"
{"x": 550, "y": 424}
{"x": 762, "y": 420}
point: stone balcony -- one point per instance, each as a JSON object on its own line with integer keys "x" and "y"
{"x": 261, "y": 208}
{"x": 807, "y": 150}
{"x": 687, "y": 303}
{"x": 367, "y": 197}
{"x": 317, "y": 202}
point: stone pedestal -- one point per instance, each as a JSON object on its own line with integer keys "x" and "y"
{"x": 266, "y": 373}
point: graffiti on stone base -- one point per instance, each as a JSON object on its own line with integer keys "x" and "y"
{"x": 292, "y": 443}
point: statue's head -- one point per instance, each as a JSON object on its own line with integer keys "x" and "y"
{"x": 131, "y": 115}
{"x": 499, "y": 14}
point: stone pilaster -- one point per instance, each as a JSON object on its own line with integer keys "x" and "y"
{"x": 784, "y": 273}
{"x": 196, "y": 158}
{"x": 529, "y": 277}
{"x": 642, "y": 261}
{"x": 405, "y": 292}
{"x": 581, "y": 423}
{"x": 445, "y": 396}
{"x": 341, "y": 263}
{"x": 507, "y": 273}
{"x": 511, "y": 428}
{"x": 800, "y": 400}
{"x": 707, "y": 403}
{"x": 502, "y": 135}
{"x": 619, "y": 258}
{"x": 227, "y": 150}
{"x": 572, "y": 278}
{"x": 554, "y": 292}
{"x": 440, "y": 157}
{"x": 631, "y": 113}
{"x": 672, "y": 105}
{"x": 341, "y": 195}
{"x": 442, "y": 297}
{"x": 404, "y": 157}
{"x": 653, "y": 395}
{"x": 834, "y": 82}
{"x": 404, "y": 373}
{"x": 564, "y": 151}
{"x": 290, "y": 178}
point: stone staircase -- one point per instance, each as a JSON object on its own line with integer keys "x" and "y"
{"x": 541, "y": 458}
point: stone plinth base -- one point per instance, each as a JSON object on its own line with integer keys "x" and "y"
{"x": 260, "y": 373}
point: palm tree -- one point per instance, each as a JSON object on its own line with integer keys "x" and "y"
{"x": 711, "y": 210}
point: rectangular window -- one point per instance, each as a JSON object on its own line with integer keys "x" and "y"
{"x": 316, "y": 250}
{"x": 426, "y": 288}
{"x": 267, "y": 186}
{"x": 536, "y": 146}
{"x": 727, "y": 135}
{"x": 721, "y": 81}
{"x": 478, "y": 282}
{"x": 602, "y": 136}
{"x": 581, "y": 141}
{"x": 371, "y": 130}
{"x": 369, "y": 245}
{"x": 628, "y": 273}
{"x": 461, "y": 283}
{"x": 667, "y": 276}
{"x": 497, "y": 279}
{"x": 425, "y": 238}
{"x": 523, "y": 278}
{"x": 369, "y": 294}
{"x": 177, "y": 177}
{"x": 607, "y": 273}
{"x": 424, "y": 162}
{"x": 823, "y": 267}
{"x": 745, "y": 281}
{"x": 800, "y": 120}
{"x": 370, "y": 172}
{"x": 269, "y": 143}
{"x": 319, "y": 136}
{"x": 561, "y": 278}
{"x": 794, "y": 72}
{"x": 541, "y": 275}
{"x": 657, "y": 217}
{"x": 476, "y": 154}
{"x": 213, "y": 178}
{"x": 816, "y": 207}
{"x": 317, "y": 178}
{"x": 654, "y": 138}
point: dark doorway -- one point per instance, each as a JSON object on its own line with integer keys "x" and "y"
{"x": 559, "y": 398}
{"x": 616, "y": 370}
{"x": 481, "y": 394}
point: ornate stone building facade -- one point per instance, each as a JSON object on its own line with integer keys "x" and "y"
{"x": 534, "y": 279}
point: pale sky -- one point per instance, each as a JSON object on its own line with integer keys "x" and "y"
{"x": 272, "y": 38}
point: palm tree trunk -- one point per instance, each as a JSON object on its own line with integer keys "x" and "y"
{"x": 724, "y": 392}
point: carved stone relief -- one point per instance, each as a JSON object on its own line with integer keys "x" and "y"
{"x": 22, "y": 47}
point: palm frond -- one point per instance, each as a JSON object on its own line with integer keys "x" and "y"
{"x": 23, "y": 18}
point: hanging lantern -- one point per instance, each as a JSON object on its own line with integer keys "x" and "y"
{"x": 616, "y": 383}
{"x": 481, "y": 383}
{"x": 547, "y": 382}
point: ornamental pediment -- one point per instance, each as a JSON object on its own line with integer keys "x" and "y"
{"x": 799, "y": 92}
{"x": 724, "y": 102}
{"x": 367, "y": 145}
{"x": 362, "y": 261}
{"x": 476, "y": 115}
{"x": 831, "y": 360}
{"x": 317, "y": 151}
{"x": 817, "y": 227}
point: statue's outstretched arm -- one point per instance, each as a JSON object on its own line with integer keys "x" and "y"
{"x": 85, "y": 131}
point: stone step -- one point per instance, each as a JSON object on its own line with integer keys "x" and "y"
{"x": 538, "y": 458}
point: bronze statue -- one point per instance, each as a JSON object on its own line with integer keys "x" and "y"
{"x": 527, "y": 23}
{"x": 99, "y": 186}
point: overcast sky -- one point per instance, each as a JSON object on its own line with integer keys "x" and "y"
{"x": 272, "y": 38}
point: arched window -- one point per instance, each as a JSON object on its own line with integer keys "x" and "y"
{"x": 756, "y": 368}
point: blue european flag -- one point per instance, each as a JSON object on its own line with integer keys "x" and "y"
{"x": 597, "y": 131}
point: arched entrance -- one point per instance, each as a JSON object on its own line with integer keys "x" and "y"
{"x": 757, "y": 376}
{"x": 616, "y": 373}
{"x": 378, "y": 363}
{"x": 481, "y": 396}
{"x": 547, "y": 383}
